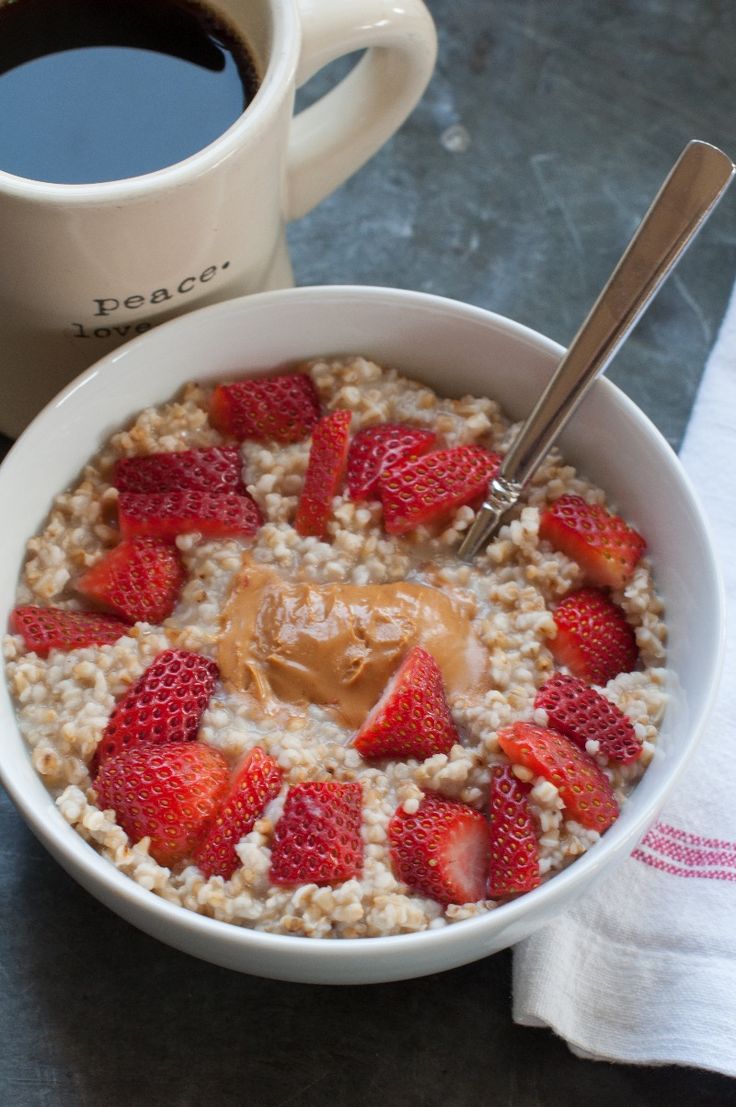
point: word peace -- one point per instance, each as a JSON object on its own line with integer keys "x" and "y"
{"x": 110, "y": 304}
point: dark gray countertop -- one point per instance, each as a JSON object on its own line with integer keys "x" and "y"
{"x": 515, "y": 185}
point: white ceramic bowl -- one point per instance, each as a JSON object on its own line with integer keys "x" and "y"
{"x": 456, "y": 349}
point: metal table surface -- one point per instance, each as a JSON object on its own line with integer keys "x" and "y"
{"x": 543, "y": 136}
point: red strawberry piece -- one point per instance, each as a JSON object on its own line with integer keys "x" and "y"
{"x": 325, "y": 471}
{"x": 181, "y": 511}
{"x": 605, "y": 547}
{"x": 318, "y": 837}
{"x": 139, "y": 580}
{"x": 422, "y": 490}
{"x": 284, "y": 408}
{"x": 412, "y": 718}
{"x": 584, "y": 788}
{"x": 166, "y": 793}
{"x": 582, "y": 714}
{"x": 54, "y": 628}
{"x": 257, "y": 781}
{"x": 593, "y": 638}
{"x": 210, "y": 469}
{"x": 441, "y": 850}
{"x": 164, "y": 705}
{"x": 514, "y": 864}
{"x": 375, "y": 449}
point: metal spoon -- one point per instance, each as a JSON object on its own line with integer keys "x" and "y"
{"x": 694, "y": 186}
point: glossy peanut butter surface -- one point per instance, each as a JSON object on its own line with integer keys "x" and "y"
{"x": 337, "y": 645}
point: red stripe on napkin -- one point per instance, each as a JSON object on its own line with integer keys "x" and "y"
{"x": 680, "y": 853}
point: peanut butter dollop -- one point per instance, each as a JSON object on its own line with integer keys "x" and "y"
{"x": 337, "y": 645}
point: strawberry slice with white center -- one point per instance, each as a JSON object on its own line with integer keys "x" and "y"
{"x": 164, "y": 705}
{"x": 210, "y": 469}
{"x": 328, "y": 455}
{"x": 318, "y": 837}
{"x": 583, "y": 715}
{"x": 183, "y": 511}
{"x": 284, "y": 408}
{"x": 584, "y": 788}
{"x": 55, "y": 628}
{"x": 514, "y": 864}
{"x": 430, "y": 487}
{"x": 165, "y": 793}
{"x": 412, "y": 718}
{"x": 594, "y": 639}
{"x": 139, "y": 579}
{"x": 605, "y": 547}
{"x": 441, "y": 850}
{"x": 376, "y": 449}
{"x": 257, "y": 781}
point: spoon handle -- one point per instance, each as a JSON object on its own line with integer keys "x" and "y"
{"x": 694, "y": 186}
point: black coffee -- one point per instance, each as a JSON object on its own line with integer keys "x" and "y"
{"x": 98, "y": 90}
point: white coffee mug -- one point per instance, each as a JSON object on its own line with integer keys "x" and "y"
{"x": 88, "y": 266}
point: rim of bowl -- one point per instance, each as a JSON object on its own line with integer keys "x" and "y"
{"x": 618, "y": 841}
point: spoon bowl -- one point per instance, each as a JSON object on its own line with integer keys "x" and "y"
{"x": 456, "y": 349}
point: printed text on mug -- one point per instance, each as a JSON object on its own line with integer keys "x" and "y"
{"x": 109, "y": 305}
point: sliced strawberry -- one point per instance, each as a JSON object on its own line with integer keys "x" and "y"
{"x": 375, "y": 449}
{"x": 584, "y": 788}
{"x": 166, "y": 514}
{"x": 318, "y": 837}
{"x": 441, "y": 850}
{"x": 412, "y": 718}
{"x": 514, "y": 864}
{"x": 422, "y": 490}
{"x": 139, "y": 579}
{"x": 593, "y": 638}
{"x": 582, "y": 714}
{"x": 284, "y": 408}
{"x": 210, "y": 469}
{"x": 54, "y": 628}
{"x": 257, "y": 781}
{"x": 165, "y": 793}
{"x": 605, "y": 547}
{"x": 325, "y": 471}
{"x": 164, "y": 705}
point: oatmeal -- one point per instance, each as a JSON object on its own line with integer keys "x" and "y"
{"x": 333, "y": 620}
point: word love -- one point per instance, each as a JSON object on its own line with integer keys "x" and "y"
{"x": 109, "y": 305}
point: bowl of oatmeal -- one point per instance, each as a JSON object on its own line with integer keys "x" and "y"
{"x": 261, "y": 709}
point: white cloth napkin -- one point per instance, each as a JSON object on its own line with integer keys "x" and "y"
{"x": 653, "y": 980}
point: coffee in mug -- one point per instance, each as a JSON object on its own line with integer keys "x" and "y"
{"x": 97, "y": 90}
{"x": 104, "y": 236}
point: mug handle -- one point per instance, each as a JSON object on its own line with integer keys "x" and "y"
{"x": 334, "y": 136}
